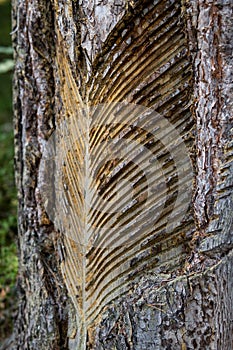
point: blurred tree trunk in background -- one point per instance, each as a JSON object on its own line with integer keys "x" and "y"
{"x": 179, "y": 289}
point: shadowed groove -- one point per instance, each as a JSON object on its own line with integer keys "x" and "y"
{"x": 100, "y": 261}
{"x": 108, "y": 224}
{"x": 122, "y": 59}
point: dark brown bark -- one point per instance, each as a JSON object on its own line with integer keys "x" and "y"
{"x": 42, "y": 317}
{"x": 179, "y": 294}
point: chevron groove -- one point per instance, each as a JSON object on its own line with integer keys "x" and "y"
{"x": 118, "y": 176}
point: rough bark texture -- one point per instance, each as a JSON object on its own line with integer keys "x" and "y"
{"x": 182, "y": 300}
{"x": 42, "y": 318}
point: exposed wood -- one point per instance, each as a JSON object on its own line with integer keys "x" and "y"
{"x": 170, "y": 287}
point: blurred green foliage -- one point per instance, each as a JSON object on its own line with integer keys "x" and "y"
{"x": 5, "y": 27}
{"x": 8, "y": 202}
{"x": 5, "y": 97}
{"x": 5, "y": 79}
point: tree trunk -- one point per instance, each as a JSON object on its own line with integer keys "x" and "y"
{"x": 150, "y": 267}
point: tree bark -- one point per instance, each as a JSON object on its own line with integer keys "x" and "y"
{"x": 176, "y": 291}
